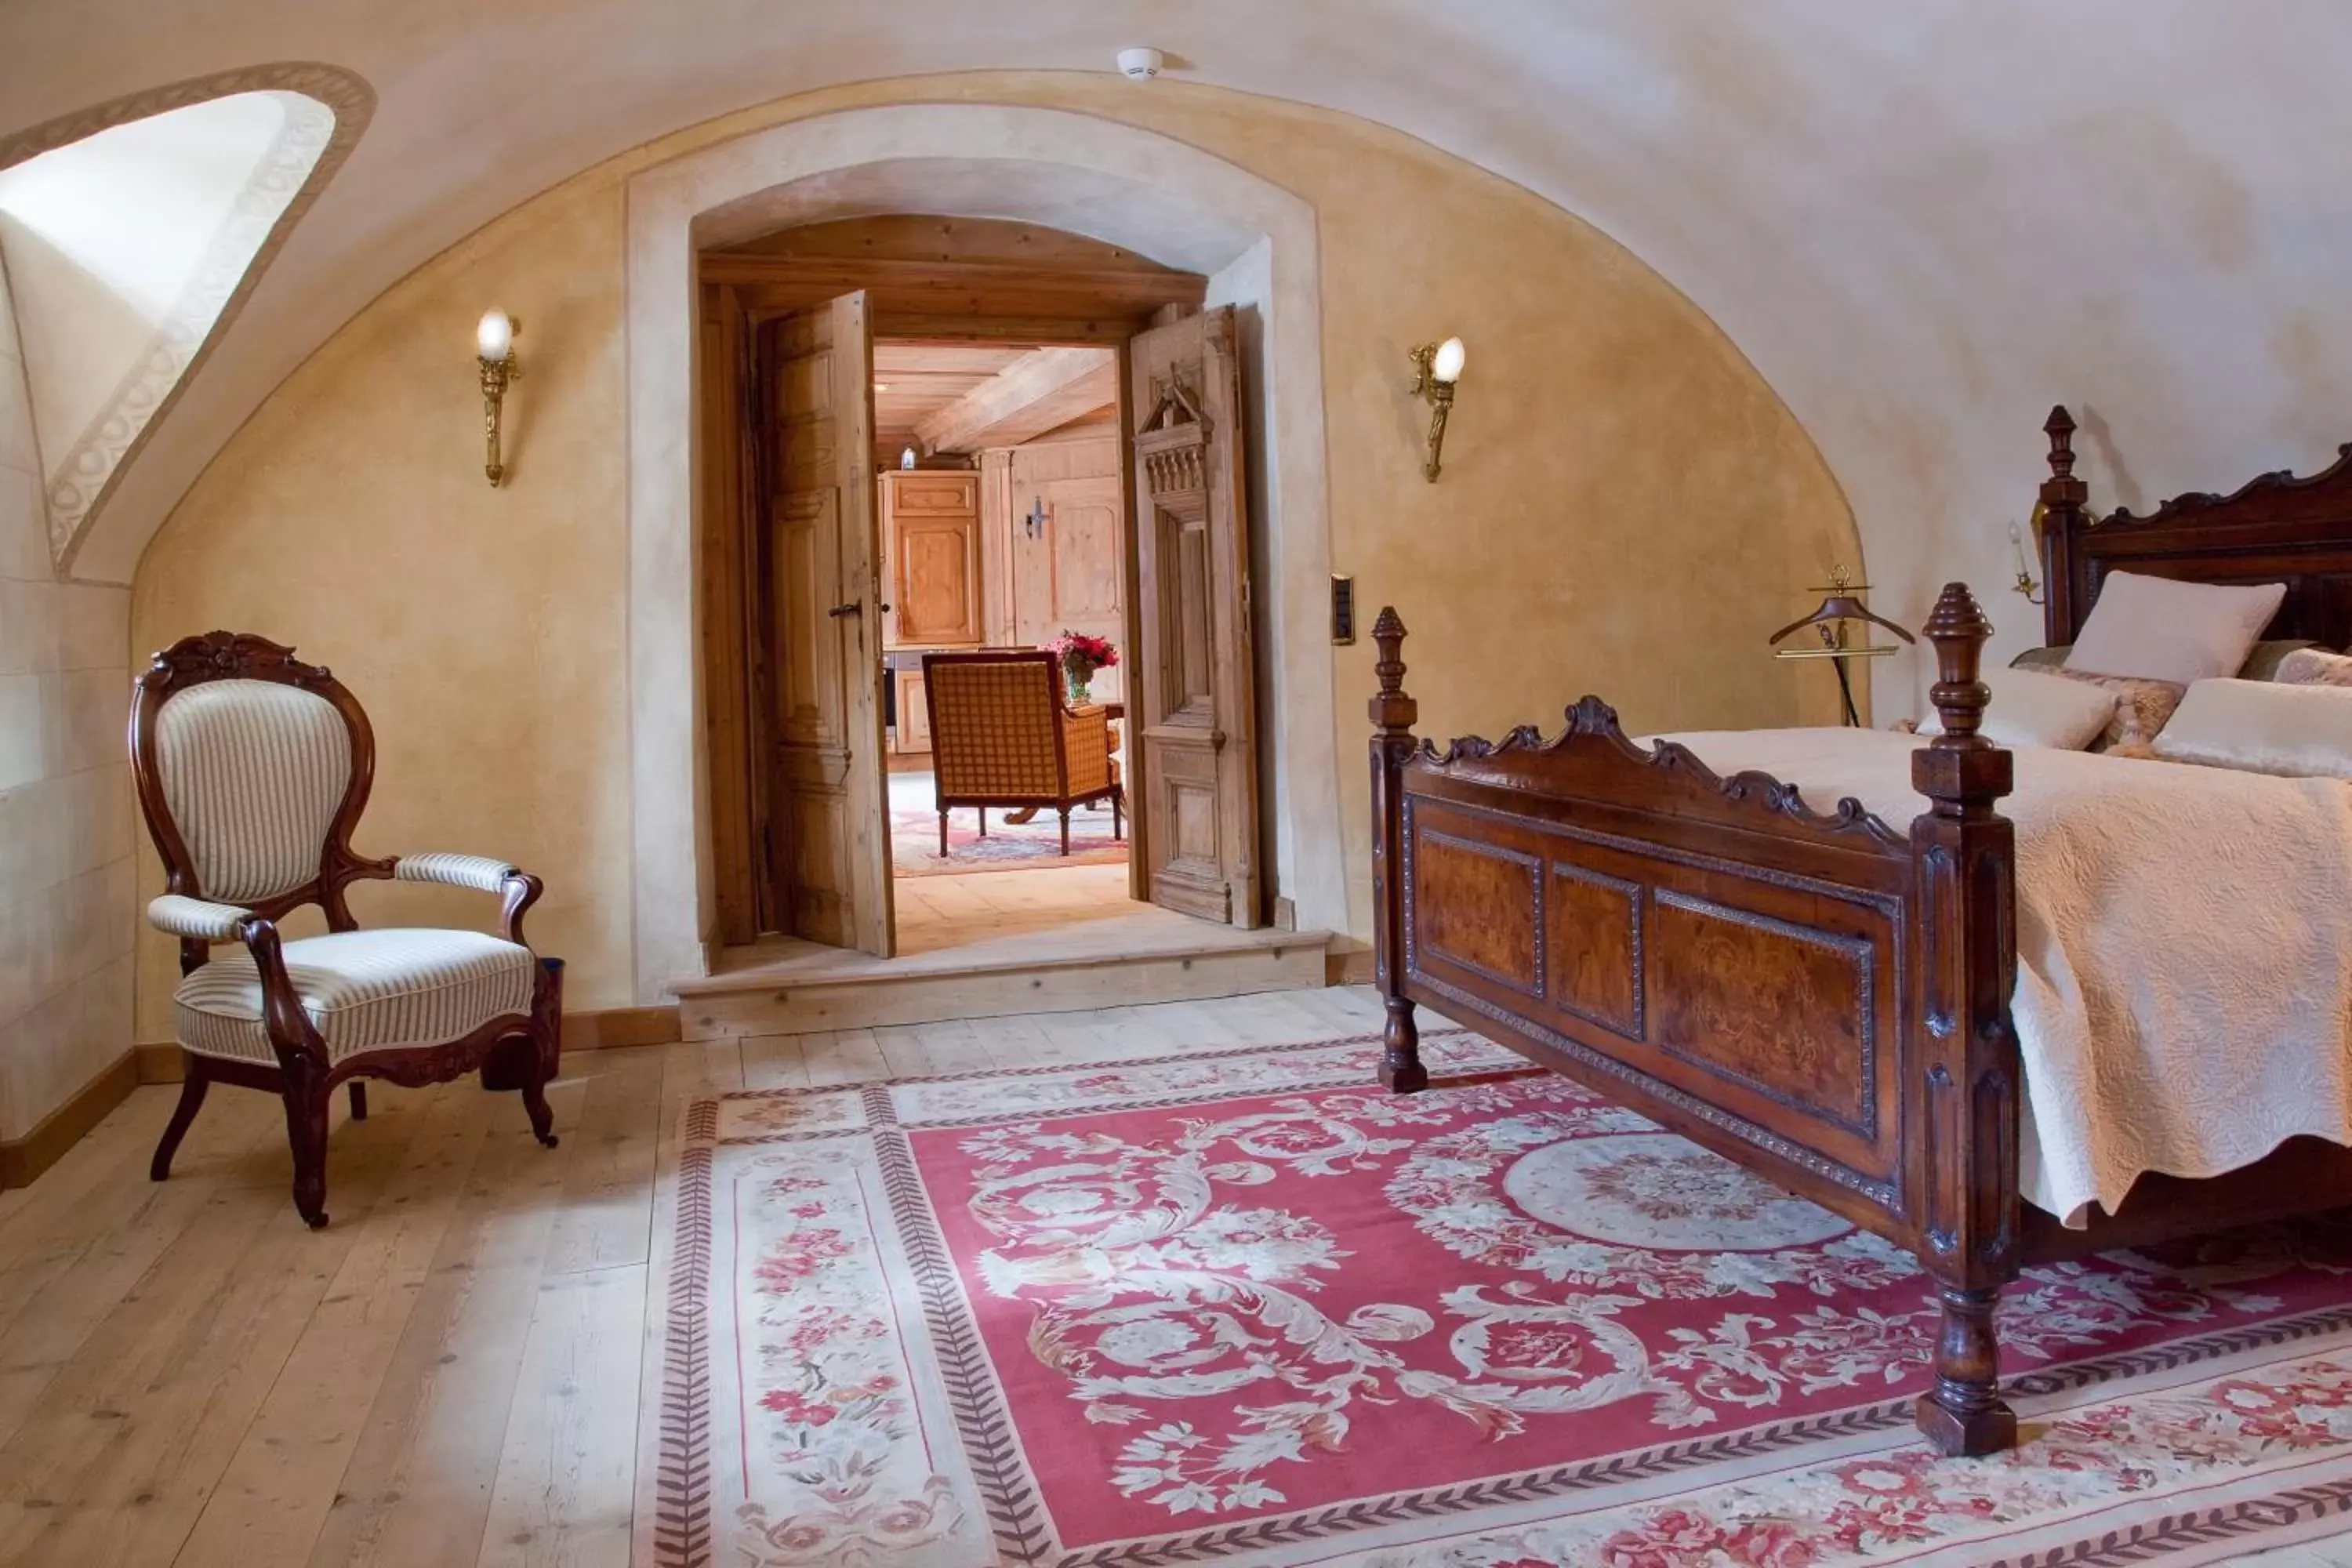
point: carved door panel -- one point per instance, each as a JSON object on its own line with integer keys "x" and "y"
{"x": 1068, "y": 541}
{"x": 1190, "y": 692}
{"x": 827, "y": 844}
{"x": 932, "y": 521}
{"x": 914, "y": 714}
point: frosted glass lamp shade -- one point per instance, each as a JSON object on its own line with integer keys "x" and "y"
{"x": 494, "y": 337}
{"x": 1447, "y": 366}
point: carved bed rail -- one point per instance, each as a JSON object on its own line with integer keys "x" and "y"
{"x": 1822, "y": 997}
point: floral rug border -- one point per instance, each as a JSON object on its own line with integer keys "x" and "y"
{"x": 881, "y": 1110}
{"x": 1019, "y": 1523}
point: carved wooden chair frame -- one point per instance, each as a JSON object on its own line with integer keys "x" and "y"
{"x": 1114, "y": 792}
{"x": 516, "y": 1050}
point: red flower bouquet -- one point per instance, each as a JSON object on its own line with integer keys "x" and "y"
{"x": 1081, "y": 657}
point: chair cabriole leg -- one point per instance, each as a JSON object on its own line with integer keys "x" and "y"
{"x": 534, "y": 1101}
{"x": 359, "y": 1100}
{"x": 541, "y": 1041}
{"x": 194, "y": 1081}
{"x": 306, "y": 1094}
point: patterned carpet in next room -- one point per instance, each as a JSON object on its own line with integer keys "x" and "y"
{"x": 1007, "y": 846}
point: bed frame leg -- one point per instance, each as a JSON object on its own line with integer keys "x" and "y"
{"x": 1964, "y": 1414}
{"x": 1401, "y": 1069}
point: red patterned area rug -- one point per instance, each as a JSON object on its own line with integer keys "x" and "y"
{"x": 1008, "y": 846}
{"x": 1240, "y": 1307}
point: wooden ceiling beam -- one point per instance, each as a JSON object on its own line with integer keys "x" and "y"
{"x": 766, "y": 301}
{"x": 1045, "y": 389}
{"x": 954, "y": 280}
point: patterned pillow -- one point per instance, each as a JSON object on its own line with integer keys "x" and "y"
{"x": 2142, "y": 707}
{"x": 2314, "y": 667}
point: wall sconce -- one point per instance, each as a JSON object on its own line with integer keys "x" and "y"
{"x": 2025, "y": 583}
{"x": 494, "y": 344}
{"x": 1440, "y": 367}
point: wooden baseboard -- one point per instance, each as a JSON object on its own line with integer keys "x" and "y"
{"x": 609, "y": 1028}
{"x": 1350, "y": 968}
{"x": 22, "y": 1159}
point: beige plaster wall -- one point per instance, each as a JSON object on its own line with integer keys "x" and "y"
{"x": 1627, "y": 507}
{"x": 67, "y": 872}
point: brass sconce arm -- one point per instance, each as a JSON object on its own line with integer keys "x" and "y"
{"x": 495, "y": 354}
{"x": 1437, "y": 367}
{"x": 2034, "y": 590}
{"x": 496, "y": 374}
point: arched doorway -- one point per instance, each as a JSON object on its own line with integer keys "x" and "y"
{"x": 1252, "y": 241}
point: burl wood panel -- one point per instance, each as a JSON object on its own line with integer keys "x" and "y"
{"x": 1785, "y": 1009}
{"x": 1481, "y": 908}
{"x": 1596, "y": 946}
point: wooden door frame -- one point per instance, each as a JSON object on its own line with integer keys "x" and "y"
{"x": 734, "y": 294}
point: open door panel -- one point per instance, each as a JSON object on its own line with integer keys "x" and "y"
{"x": 1192, "y": 690}
{"x": 827, "y": 840}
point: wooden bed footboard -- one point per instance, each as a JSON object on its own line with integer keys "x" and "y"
{"x": 1823, "y": 998}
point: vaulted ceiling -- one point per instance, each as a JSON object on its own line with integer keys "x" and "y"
{"x": 1924, "y": 222}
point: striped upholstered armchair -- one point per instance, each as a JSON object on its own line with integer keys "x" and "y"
{"x": 1001, "y": 735}
{"x": 252, "y": 770}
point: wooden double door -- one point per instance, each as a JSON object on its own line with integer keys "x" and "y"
{"x": 818, "y": 794}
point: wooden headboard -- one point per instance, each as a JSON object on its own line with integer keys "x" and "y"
{"x": 2275, "y": 528}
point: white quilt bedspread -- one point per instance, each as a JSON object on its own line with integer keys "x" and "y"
{"x": 2184, "y": 936}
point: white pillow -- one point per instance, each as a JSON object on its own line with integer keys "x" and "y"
{"x": 2030, "y": 708}
{"x": 2158, "y": 629}
{"x": 2262, "y": 727}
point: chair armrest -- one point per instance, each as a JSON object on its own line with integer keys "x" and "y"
{"x": 519, "y": 889}
{"x": 198, "y": 918}
{"x": 1086, "y": 749}
{"x": 479, "y": 872}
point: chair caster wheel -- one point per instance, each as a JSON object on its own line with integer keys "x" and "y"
{"x": 318, "y": 1224}
{"x": 548, "y": 1139}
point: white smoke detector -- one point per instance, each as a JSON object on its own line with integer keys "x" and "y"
{"x": 1140, "y": 65}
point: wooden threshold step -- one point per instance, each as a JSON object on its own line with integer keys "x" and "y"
{"x": 929, "y": 991}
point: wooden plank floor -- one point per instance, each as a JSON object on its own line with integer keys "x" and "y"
{"x": 450, "y": 1372}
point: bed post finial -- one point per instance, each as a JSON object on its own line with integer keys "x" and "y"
{"x": 1967, "y": 1088}
{"x": 1392, "y": 714}
{"x": 2060, "y": 428}
{"x": 1960, "y": 630}
{"x": 2062, "y": 499}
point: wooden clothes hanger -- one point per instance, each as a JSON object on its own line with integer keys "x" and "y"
{"x": 1838, "y": 605}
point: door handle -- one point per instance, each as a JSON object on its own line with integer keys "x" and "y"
{"x": 854, "y": 607}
